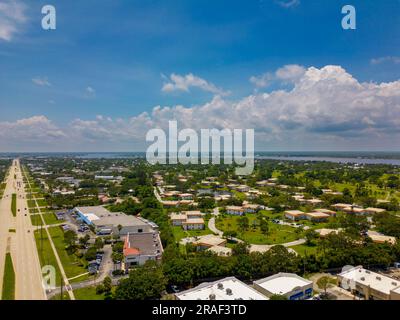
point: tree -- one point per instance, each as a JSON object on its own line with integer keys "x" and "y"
{"x": 264, "y": 227}
{"x": 243, "y": 223}
{"x": 310, "y": 236}
{"x": 144, "y": 283}
{"x": 240, "y": 248}
{"x": 107, "y": 284}
{"x": 323, "y": 283}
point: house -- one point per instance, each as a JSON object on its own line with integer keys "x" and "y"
{"x": 325, "y": 232}
{"x": 326, "y": 211}
{"x": 243, "y": 188}
{"x": 141, "y": 247}
{"x": 294, "y": 215}
{"x": 313, "y": 202}
{"x": 317, "y": 216}
{"x": 185, "y": 196}
{"x": 380, "y": 238}
{"x": 250, "y": 208}
{"x": 290, "y": 285}
{"x": 369, "y": 285}
{"x": 341, "y": 206}
{"x": 225, "y": 289}
{"x": 221, "y": 251}
{"x": 189, "y": 220}
{"x": 374, "y": 210}
{"x": 235, "y": 210}
{"x": 208, "y": 241}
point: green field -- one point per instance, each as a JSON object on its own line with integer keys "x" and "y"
{"x": 49, "y": 218}
{"x": 73, "y": 266}
{"x": 277, "y": 233}
{"x": 14, "y": 204}
{"x": 179, "y": 233}
{"x": 31, "y": 203}
{"x": 304, "y": 250}
{"x": 8, "y": 290}
{"x": 46, "y": 255}
{"x": 88, "y": 293}
{"x": 42, "y": 203}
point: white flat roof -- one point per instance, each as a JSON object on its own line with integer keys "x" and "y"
{"x": 239, "y": 291}
{"x": 375, "y": 280}
{"x": 282, "y": 283}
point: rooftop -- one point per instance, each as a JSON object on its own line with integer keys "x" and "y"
{"x": 143, "y": 244}
{"x": 282, "y": 283}
{"x": 225, "y": 289}
{"x": 375, "y": 280}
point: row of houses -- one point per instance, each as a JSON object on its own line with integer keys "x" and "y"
{"x": 188, "y": 220}
{"x": 320, "y": 215}
{"x": 241, "y": 210}
{"x": 375, "y": 236}
{"x": 351, "y": 208}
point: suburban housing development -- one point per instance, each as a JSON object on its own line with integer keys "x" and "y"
{"x": 287, "y": 232}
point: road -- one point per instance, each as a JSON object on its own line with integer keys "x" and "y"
{"x": 53, "y": 247}
{"x": 28, "y": 275}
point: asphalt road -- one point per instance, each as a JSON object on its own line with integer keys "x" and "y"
{"x": 28, "y": 276}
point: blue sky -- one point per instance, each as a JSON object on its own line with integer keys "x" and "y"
{"x": 113, "y": 58}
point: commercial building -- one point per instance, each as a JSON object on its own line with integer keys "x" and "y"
{"x": 105, "y": 222}
{"x": 141, "y": 247}
{"x": 290, "y": 285}
{"x": 369, "y": 285}
{"x": 225, "y": 289}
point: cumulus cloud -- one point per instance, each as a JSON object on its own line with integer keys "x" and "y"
{"x": 12, "y": 18}
{"x": 90, "y": 92}
{"x": 325, "y": 107}
{"x": 326, "y": 103}
{"x": 287, "y": 74}
{"x": 183, "y": 83}
{"x": 41, "y": 81}
{"x": 36, "y": 128}
{"x": 380, "y": 60}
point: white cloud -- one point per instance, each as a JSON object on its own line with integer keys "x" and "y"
{"x": 12, "y": 18}
{"x": 184, "y": 83}
{"x": 326, "y": 107}
{"x": 90, "y": 92}
{"x": 287, "y": 74}
{"x": 41, "y": 81}
{"x": 36, "y": 128}
{"x": 380, "y": 60}
{"x": 288, "y": 3}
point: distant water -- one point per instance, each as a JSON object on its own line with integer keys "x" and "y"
{"x": 389, "y": 158}
{"x": 394, "y": 162}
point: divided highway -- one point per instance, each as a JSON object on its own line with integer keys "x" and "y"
{"x": 16, "y": 235}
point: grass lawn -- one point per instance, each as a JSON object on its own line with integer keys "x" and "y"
{"x": 50, "y": 218}
{"x": 179, "y": 233}
{"x": 88, "y": 293}
{"x": 36, "y": 220}
{"x": 46, "y": 256}
{"x": 42, "y": 203}
{"x": 277, "y": 233}
{"x": 8, "y": 291}
{"x": 73, "y": 266}
{"x": 303, "y": 249}
{"x": 14, "y": 204}
{"x": 31, "y": 203}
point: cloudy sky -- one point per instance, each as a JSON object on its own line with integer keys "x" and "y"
{"x": 113, "y": 69}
